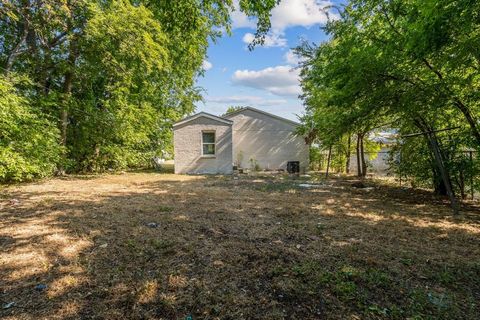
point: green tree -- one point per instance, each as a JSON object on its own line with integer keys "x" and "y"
{"x": 407, "y": 63}
{"x": 232, "y": 109}
{"x": 28, "y": 142}
{"x": 114, "y": 75}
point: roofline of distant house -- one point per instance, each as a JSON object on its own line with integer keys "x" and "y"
{"x": 205, "y": 115}
{"x": 262, "y": 112}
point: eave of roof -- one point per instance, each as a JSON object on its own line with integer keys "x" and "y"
{"x": 262, "y": 112}
{"x": 205, "y": 115}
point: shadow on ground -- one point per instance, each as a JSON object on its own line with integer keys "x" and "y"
{"x": 152, "y": 246}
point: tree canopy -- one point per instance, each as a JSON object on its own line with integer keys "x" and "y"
{"x": 232, "y": 109}
{"x": 105, "y": 79}
{"x": 403, "y": 66}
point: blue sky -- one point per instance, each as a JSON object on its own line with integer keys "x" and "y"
{"x": 265, "y": 78}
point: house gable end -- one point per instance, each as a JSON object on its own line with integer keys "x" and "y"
{"x": 254, "y": 110}
{"x": 202, "y": 115}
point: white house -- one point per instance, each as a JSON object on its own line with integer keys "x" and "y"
{"x": 246, "y": 138}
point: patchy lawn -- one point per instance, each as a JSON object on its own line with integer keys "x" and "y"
{"x": 158, "y": 246}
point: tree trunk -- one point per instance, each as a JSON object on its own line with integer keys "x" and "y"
{"x": 433, "y": 142}
{"x": 67, "y": 91}
{"x": 472, "y": 190}
{"x": 471, "y": 121}
{"x": 17, "y": 49}
{"x": 362, "y": 157}
{"x": 347, "y": 165}
{"x": 460, "y": 105}
{"x": 438, "y": 183}
{"x": 328, "y": 161}
{"x": 461, "y": 184}
{"x": 443, "y": 172}
{"x": 359, "y": 166}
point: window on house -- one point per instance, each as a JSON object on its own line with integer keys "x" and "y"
{"x": 208, "y": 143}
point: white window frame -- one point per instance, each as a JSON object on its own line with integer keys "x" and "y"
{"x": 214, "y": 144}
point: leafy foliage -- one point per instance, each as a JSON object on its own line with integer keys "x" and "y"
{"x": 112, "y": 75}
{"x": 401, "y": 66}
{"x": 232, "y": 109}
{"x": 28, "y": 144}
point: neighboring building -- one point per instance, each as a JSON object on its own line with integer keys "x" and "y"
{"x": 377, "y": 162}
{"x": 246, "y": 138}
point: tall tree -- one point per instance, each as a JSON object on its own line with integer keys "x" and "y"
{"x": 406, "y": 62}
{"x": 114, "y": 75}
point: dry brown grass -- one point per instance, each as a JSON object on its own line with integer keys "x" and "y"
{"x": 233, "y": 248}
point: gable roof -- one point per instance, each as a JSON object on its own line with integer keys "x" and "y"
{"x": 204, "y": 115}
{"x": 261, "y": 112}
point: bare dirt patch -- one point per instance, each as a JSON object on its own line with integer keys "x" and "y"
{"x": 159, "y": 246}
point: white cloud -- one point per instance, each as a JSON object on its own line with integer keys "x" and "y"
{"x": 206, "y": 65}
{"x": 271, "y": 40}
{"x": 289, "y": 13}
{"x": 291, "y": 58}
{"x": 304, "y": 13}
{"x": 240, "y": 19}
{"x": 279, "y": 80}
{"x": 246, "y": 100}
